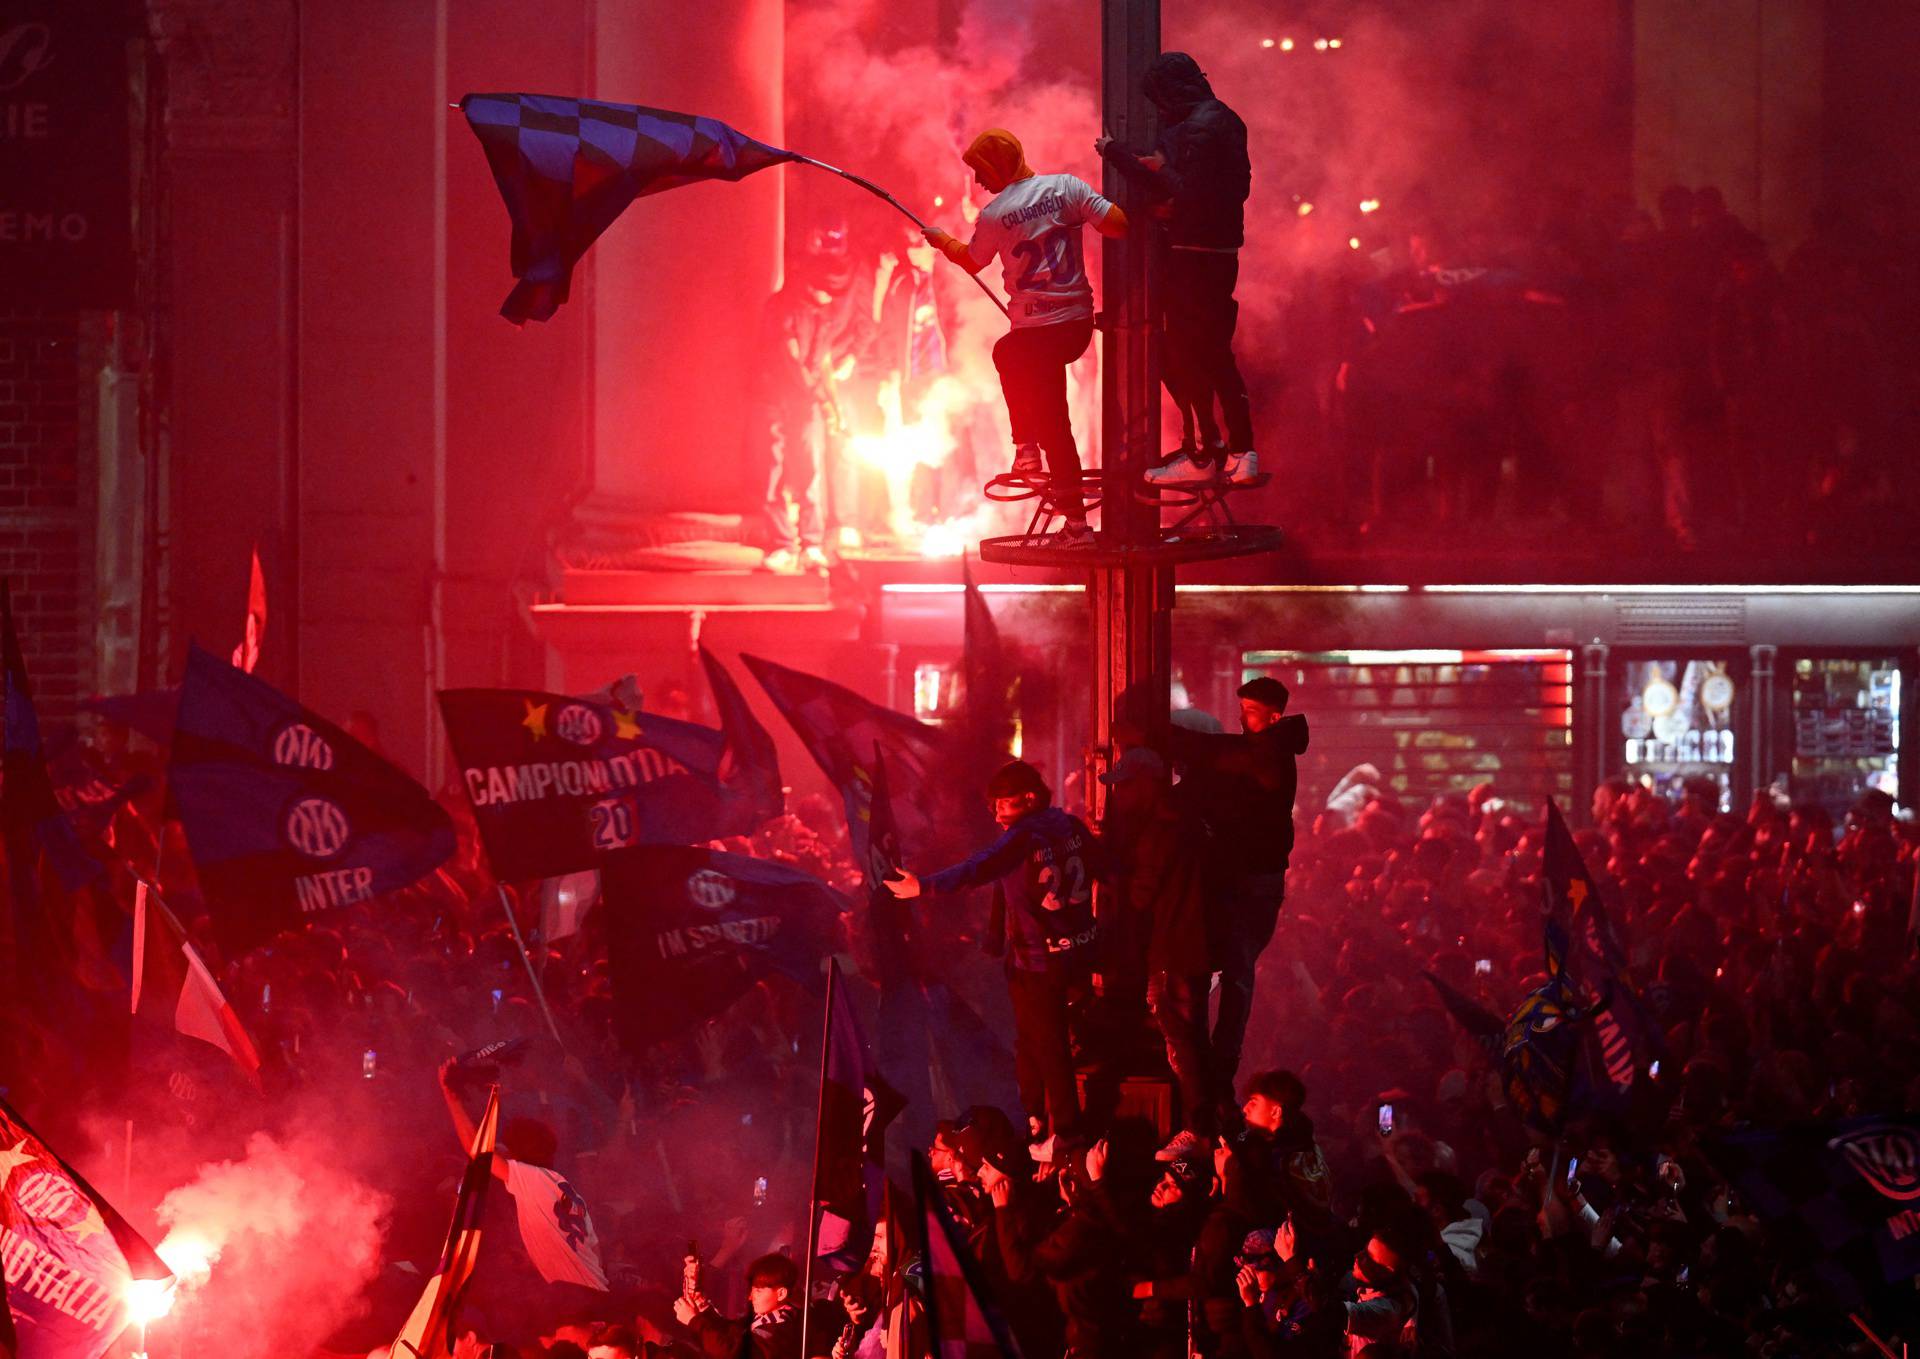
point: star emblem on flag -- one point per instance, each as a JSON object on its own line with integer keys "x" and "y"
{"x": 90, "y": 1225}
{"x": 626, "y": 725}
{"x": 536, "y": 719}
{"x": 9, "y": 1160}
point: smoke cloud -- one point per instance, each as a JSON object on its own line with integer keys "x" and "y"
{"x": 295, "y": 1240}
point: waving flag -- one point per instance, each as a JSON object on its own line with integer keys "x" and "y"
{"x": 844, "y": 732}
{"x": 690, "y": 930}
{"x": 1483, "y": 1026}
{"x": 287, "y": 815}
{"x": 172, "y": 988}
{"x": 850, "y": 1159}
{"x": 749, "y": 765}
{"x": 9, "y": 1338}
{"x": 936, "y": 1044}
{"x": 1843, "y": 1198}
{"x": 964, "y": 1319}
{"x": 1619, "y": 1040}
{"x": 70, "y": 1258}
{"x": 568, "y": 167}
{"x": 989, "y": 679}
{"x": 429, "y": 1332}
{"x": 555, "y": 1226}
{"x": 247, "y": 655}
{"x": 558, "y": 782}
{"x": 56, "y": 939}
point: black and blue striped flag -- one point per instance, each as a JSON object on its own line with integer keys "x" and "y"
{"x": 567, "y": 167}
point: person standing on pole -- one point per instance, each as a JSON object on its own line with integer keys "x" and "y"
{"x": 1042, "y": 867}
{"x": 1033, "y": 223}
{"x": 1200, "y": 171}
{"x": 1242, "y": 787}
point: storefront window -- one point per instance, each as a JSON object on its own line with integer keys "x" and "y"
{"x": 1676, "y": 726}
{"x": 1846, "y": 730}
{"x": 1428, "y": 722}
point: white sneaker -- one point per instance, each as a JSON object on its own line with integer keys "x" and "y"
{"x": 1182, "y": 470}
{"x": 1027, "y": 461}
{"x": 814, "y": 558}
{"x": 1076, "y": 533}
{"x": 1243, "y": 468}
{"x": 782, "y": 561}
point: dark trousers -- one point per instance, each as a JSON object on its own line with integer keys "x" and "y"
{"x": 1033, "y": 374}
{"x": 797, "y": 450}
{"x": 1251, "y": 914}
{"x": 1200, "y": 314}
{"x": 1043, "y": 1048}
{"x": 1179, "y": 1005}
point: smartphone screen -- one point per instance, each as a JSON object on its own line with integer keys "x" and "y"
{"x": 1386, "y": 1120}
{"x": 1573, "y": 1169}
{"x": 1483, "y": 967}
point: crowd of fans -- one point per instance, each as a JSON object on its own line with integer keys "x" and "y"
{"x": 1667, "y": 372}
{"x": 1363, "y": 1188}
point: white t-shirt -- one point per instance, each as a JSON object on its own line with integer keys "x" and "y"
{"x": 554, "y": 1226}
{"x": 1033, "y": 225}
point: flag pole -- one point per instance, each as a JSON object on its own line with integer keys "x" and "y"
{"x": 873, "y": 188}
{"x": 133, "y": 1010}
{"x": 539, "y": 993}
{"x": 819, "y": 1115}
{"x": 1867, "y": 1331}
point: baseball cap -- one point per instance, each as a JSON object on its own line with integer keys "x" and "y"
{"x": 1258, "y": 1247}
{"x": 1137, "y": 762}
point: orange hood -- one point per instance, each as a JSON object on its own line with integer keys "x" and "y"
{"x": 997, "y": 158}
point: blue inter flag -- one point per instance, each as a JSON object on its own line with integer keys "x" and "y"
{"x": 1619, "y": 1038}
{"x": 567, "y": 167}
{"x": 846, "y": 733}
{"x": 286, "y": 815}
{"x": 690, "y": 931}
{"x": 556, "y": 783}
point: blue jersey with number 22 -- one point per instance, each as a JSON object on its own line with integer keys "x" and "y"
{"x": 1045, "y": 864}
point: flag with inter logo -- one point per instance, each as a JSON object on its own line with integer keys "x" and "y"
{"x": 286, "y": 815}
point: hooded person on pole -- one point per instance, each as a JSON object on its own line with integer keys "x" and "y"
{"x": 1200, "y": 172}
{"x": 1034, "y": 225}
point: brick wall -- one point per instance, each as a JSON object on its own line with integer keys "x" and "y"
{"x": 46, "y": 499}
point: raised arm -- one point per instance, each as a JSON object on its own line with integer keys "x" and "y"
{"x": 463, "y": 1125}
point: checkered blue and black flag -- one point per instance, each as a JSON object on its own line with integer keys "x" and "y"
{"x": 568, "y": 167}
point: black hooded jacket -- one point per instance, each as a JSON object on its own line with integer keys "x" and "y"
{"x": 1242, "y": 785}
{"x": 1207, "y": 175}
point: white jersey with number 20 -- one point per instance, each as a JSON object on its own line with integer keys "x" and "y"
{"x": 1033, "y": 225}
